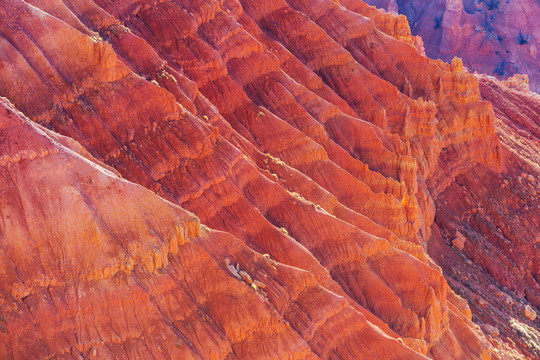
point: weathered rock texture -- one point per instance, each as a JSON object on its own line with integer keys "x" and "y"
{"x": 312, "y": 136}
{"x": 495, "y": 37}
{"x": 497, "y": 215}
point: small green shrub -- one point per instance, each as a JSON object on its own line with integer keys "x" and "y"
{"x": 523, "y": 39}
{"x": 438, "y": 21}
{"x": 492, "y": 4}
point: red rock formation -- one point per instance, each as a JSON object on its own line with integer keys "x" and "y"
{"x": 95, "y": 266}
{"x": 499, "y": 38}
{"x": 300, "y": 132}
{"x": 497, "y": 217}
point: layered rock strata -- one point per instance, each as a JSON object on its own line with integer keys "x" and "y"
{"x": 313, "y": 139}
{"x": 499, "y": 38}
{"x": 495, "y": 216}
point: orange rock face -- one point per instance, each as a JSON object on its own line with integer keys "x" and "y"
{"x": 499, "y": 38}
{"x": 96, "y": 266}
{"x": 497, "y": 217}
{"x": 315, "y": 140}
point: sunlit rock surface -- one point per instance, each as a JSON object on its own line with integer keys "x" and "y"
{"x": 314, "y": 139}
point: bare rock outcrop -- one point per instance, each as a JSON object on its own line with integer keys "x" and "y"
{"x": 314, "y": 140}
{"x": 499, "y": 38}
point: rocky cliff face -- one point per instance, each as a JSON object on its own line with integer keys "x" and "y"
{"x": 314, "y": 139}
{"x": 485, "y": 235}
{"x": 499, "y": 38}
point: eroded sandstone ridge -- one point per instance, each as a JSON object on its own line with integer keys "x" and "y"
{"x": 496, "y": 37}
{"x": 497, "y": 218}
{"x": 314, "y": 138}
